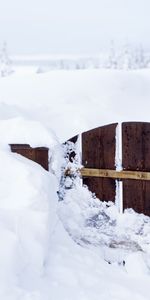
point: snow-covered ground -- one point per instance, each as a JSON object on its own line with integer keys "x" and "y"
{"x": 78, "y": 100}
{"x": 80, "y": 248}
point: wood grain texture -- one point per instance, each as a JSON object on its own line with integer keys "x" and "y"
{"x": 38, "y": 154}
{"x": 136, "y": 157}
{"x": 136, "y": 175}
{"x": 98, "y": 151}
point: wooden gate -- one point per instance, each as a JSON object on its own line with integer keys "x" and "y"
{"x": 98, "y": 151}
{"x": 99, "y": 172}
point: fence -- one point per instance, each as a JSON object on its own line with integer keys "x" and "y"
{"x": 100, "y": 160}
{"x": 99, "y": 157}
{"x": 38, "y": 154}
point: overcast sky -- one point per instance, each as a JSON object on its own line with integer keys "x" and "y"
{"x": 72, "y": 26}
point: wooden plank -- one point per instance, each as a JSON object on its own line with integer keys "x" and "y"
{"x": 136, "y": 156}
{"x": 136, "y": 196}
{"x": 98, "y": 151}
{"x": 103, "y": 188}
{"x": 24, "y": 150}
{"x": 136, "y": 146}
{"x": 38, "y": 154}
{"x": 41, "y": 157}
{"x": 105, "y": 173}
{"x": 136, "y": 175}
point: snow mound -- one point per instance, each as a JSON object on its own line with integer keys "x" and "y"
{"x": 70, "y": 102}
{"x": 136, "y": 265}
{"x": 28, "y": 206}
{"x": 21, "y": 131}
{"x": 91, "y": 222}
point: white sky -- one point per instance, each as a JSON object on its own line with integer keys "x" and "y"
{"x": 72, "y": 26}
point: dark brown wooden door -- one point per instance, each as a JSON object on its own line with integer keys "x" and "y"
{"x": 98, "y": 151}
{"x": 136, "y": 157}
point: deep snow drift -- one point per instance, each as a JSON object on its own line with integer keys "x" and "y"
{"x": 78, "y": 249}
{"x": 70, "y": 102}
{"x": 27, "y": 215}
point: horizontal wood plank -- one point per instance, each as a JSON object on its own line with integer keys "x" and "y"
{"x": 86, "y": 172}
{"x": 104, "y": 173}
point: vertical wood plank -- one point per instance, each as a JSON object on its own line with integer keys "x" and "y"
{"x": 136, "y": 156}
{"x": 98, "y": 151}
{"x": 41, "y": 157}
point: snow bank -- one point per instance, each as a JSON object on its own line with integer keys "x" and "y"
{"x": 77, "y": 272}
{"x": 28, "y": 205}
{"x": 22, "y": 131}
{"x": 70, "y": 102}
{"x": 94, "y": 223}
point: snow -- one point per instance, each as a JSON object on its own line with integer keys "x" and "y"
{"x": 28, "y": 133}
{"x": 79, "y": 248}
{"x": 93, "y": 97}
{"x": 27, "y": 214}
